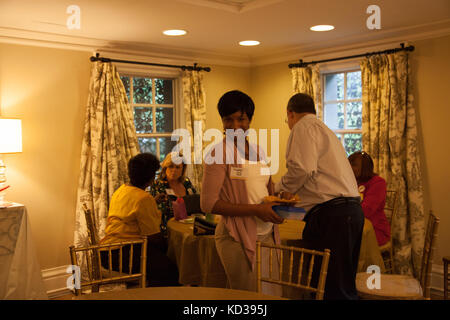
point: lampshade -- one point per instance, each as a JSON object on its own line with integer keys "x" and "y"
{"x": 10, "y": 135}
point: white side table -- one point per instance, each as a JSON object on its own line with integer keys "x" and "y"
{"x": 20, "y": 273}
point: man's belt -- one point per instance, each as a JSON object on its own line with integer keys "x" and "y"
{"x": 336, "y": 202}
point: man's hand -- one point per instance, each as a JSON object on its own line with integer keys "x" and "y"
{"x": 265, "y": 213}
{"x": 286, "y": 195}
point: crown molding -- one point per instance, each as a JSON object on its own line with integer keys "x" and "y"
{"x": 174, "y": 55}
{"x": 155, "y": 53}
{"x": 361, "y": 42}
{"x": 232, "y": 5}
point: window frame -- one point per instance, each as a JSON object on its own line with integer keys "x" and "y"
{"x": 157, "y": 73}
{"x": 340, "y": 133}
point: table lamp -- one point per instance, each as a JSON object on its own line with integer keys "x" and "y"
{"x": 10, "y": 142}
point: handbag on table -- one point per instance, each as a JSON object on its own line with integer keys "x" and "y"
{"x": 202, "y": 227}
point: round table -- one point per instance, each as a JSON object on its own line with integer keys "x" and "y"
{"x": 199, "y": 264}
{"x": 195, "y": 256}
{"x": 178, "y": 293}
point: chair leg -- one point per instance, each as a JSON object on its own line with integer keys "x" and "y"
{"x": 391, "y": 260}
{"x": 446, "y": 280}
{"x": 386, "y": 261}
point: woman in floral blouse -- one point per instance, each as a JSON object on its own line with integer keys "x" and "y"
{"x": 171, "y": 184}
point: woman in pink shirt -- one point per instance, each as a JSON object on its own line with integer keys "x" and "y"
{"x": 373, "y": 190}
{"x": 234, "y": 185}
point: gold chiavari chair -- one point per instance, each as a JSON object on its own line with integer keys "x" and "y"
{"x": 402, "y": 287}
{"x": 390, "y": 209}
{"x": 446, "y": 261}
{"x": 303, "y": 273}
{"x": 96, "y": 274}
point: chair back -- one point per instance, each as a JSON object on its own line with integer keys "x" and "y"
{"x": 93, "y": 240}
{"x": 390, "y": 208}
{"x": 98, "y": 275}
{"x": 427, "y": 256}
{"x": 303, "y": 272}
{"x": 91, "y": 226}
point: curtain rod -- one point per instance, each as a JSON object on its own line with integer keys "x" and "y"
{"x": 304, "y": 64}
{"x": 190, "y": 68}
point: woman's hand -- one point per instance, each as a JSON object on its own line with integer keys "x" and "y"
{"x": 161, "y": 198}
{"x": 265, "y": 213}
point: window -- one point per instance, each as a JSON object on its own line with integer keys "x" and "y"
{"x": 343, "y": 107}
{"x": 152, "y": 100}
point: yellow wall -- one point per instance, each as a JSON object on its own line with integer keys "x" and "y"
{"x": 216, "y": 83}
{"x": 48, "y": 88}
{"x": 431, "y": 71}
{"x": 271, "y": 90}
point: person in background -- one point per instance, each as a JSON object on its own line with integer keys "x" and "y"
{"x": 133, "y": 213}
{"x": 235, "y": 190}
{"x": 171, "y": 184}
{"x": 319, "y": 173}
{"x": 373, "y": 190}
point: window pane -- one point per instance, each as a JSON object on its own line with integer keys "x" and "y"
{"x": 334, "y": 87}
{"x": 354, "y": 86}
{"x": 339, "y": 136}
{"x": 165, "y": 146}
{"x": 164, "y": 119}
{"x": 334, "y": 116}
{"x": 142, "y": 90}
{"x": 354, "y": 115}
{"x": 143, "y": 119}
{"x": 163, "y": 91}
{"x": 352, "y": 142}
{"x": 147, "y": 145}
{"x": 126, "y": 84}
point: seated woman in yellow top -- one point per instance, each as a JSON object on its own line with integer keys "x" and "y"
{"x": 133, "y": 213}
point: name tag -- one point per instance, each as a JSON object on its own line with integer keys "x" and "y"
{"x": 170, "y": 192}
{"x": 239, "y": 173}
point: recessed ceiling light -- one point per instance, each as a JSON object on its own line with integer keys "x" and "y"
{"x": 174, "y": 32}
{"x": 322, "y": 27}
{"x": 249, "y": 43}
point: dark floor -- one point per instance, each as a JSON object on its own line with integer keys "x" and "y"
{"x": 70, "y": 296}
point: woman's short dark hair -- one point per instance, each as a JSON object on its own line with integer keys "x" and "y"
{"x": 234, "y": 101}
{"x": 301, "y": 102}
{"x": 366, "y": 165}
{"x": 142, "y": 169}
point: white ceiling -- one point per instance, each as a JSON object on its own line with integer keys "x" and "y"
{"x": 216, "y": 26}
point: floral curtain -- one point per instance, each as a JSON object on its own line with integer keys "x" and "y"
{"x": 307, "y": 80}
{"x": 390, "y": 137}
{"x": 195, "y": 114}
{"x": 109, "y": 141}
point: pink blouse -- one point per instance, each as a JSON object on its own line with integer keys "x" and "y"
{"x": 374, "y": 199}
{"x": 217, "y": 185}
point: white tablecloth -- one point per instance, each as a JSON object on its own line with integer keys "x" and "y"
{"x": 20, "y": 273}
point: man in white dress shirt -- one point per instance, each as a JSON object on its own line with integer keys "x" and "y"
{"x": 320, "y": 174}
